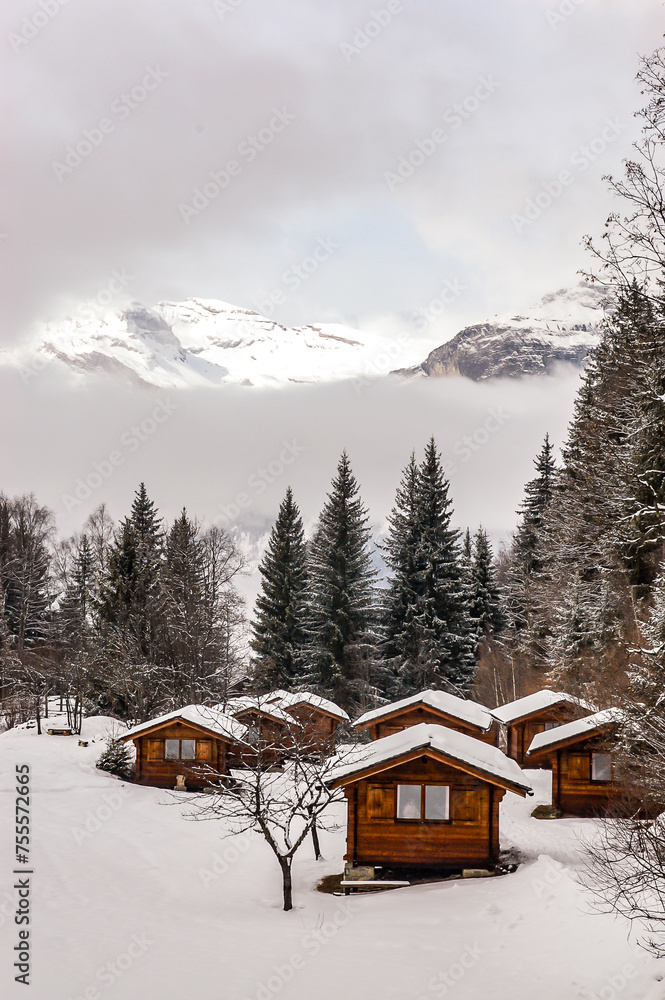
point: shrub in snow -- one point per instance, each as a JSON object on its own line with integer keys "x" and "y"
{"x": 116, "y": 758}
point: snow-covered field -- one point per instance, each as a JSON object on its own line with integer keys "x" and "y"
{"x": 131, "y": 900}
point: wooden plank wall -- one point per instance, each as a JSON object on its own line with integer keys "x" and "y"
{"x": 470, "y": 838}
{"x": 414, "y": 715}
{"x": 160, "y": 773}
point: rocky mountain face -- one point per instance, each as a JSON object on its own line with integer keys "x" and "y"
{"x": 560, "y": 329}
{"x": 205, "y": 342}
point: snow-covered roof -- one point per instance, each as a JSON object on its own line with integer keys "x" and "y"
{"x": 574, "y": 730}
{"x": 288, "y": 701}
{"x": 457, "y": 708}
{"x": 480, "y": 757}
{"x": 198, "y": 715}
{"x": 276, "y": 695}
{"x": 258, "y": 704}
{"x": 532, "y": 703}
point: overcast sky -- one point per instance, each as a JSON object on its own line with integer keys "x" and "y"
{"x": 206, "y": 149}
{"x": 317, "y": 104}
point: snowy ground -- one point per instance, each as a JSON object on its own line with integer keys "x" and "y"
{"x": 131, "y": 900}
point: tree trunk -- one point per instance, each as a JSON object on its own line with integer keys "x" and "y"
{"x": 287, "y": 887}
{"x": 315, "y": 839}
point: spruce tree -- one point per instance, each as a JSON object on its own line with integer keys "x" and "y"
{"x": 131, "y": 600}
{"x": 78, "y": 602}
{"x": 485, "y": 601}
{"x": 341, "y": 595}
{"x": 529, "y": 545}
{"x": 447, "y": 635}
{"x": 279, "y": 635}
{"x": 400, "y": 644}
{"x": 116, "y": 758}
{"x": 184, "y": 628}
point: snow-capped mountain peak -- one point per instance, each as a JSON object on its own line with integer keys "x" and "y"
{"x": 209, "y": 342}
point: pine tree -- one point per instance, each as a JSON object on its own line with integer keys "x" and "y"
{"x": 341, "y": 596}
{"x": 77, "y": 605}
{"x": 116, "y": 758}
{"x": 442, "y": 634}
{"x": 529, "y": 545}
{"x": 131, "y": 600}
{"x": 485, "y": 602}
{"x": 184, "y": 628}
{"x": 279, "y": 624}
{"x": 400, "y": 645}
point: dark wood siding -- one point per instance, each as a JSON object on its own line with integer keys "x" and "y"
{"x": 469, "y": 838}
{"x": 574, "y": 791}
{"x": 153, "y": 769}
{"x": 415, "y": 714}
{"x": 318, "y": 727}
{"x": 520, "y": 734}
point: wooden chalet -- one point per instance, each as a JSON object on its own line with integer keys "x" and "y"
{"x": 426, "y": 798}
{"x": 435, "y": 707}
{"x": 186, "y": 748}
{"x": 580, "y": 754}
{"x": 265, "y": 720}
{"x": 318, "y": 717}
{"x": 536, "y": 713}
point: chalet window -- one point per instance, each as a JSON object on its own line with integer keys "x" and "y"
{"x": 437, "y": 802}
{"x": 551, "y": 725}
{"x": 601, "y": 767}
{"x": 179, "y": 749}
{"x": 409, "y": 803}
{"x": 429, "y": 801}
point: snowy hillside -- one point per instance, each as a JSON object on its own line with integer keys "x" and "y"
{"x": 130, "y": 900}
{"x": 560, "y": 329}
{"x": 206, "y": 342}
